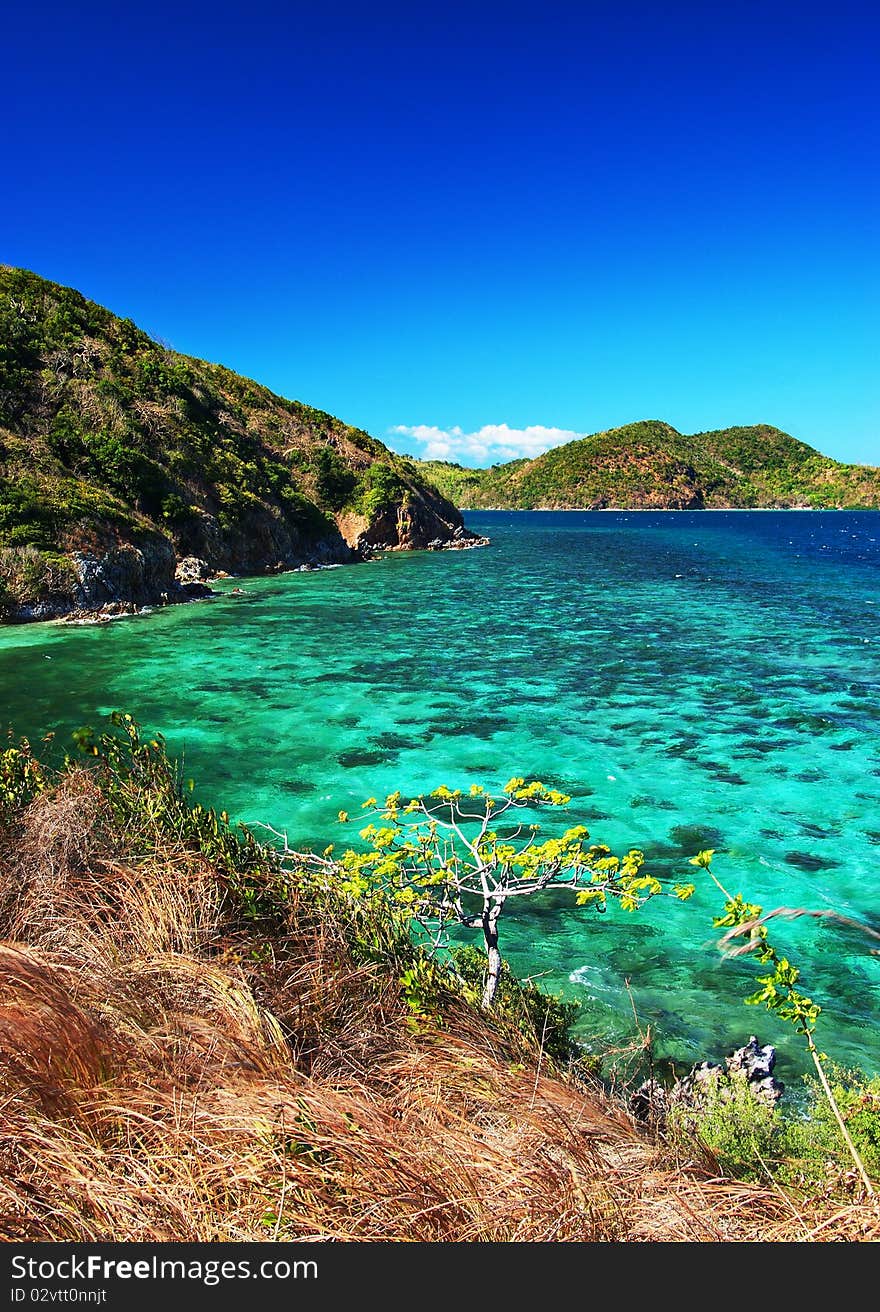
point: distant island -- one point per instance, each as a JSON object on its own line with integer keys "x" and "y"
{"x": 651, "y": 466}
{"x": 130, "y": 474}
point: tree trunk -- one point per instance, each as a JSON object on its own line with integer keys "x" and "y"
{"x": 491, "y": 912}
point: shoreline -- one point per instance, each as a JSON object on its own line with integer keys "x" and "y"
{"x": 118, "y": 609}
{"x": 670, "y": 510}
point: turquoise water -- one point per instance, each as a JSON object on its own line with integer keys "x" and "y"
{"x": 691, "y": 679}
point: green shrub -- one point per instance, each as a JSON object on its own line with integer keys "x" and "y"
{"x": 380, "y": 488}
{"x": 800, "y": 1146}
{"x": 815, "y": 1140}
{"x": 744, "y": 1133}
{"x": 334, "y": 480}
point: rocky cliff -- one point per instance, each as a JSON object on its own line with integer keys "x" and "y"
{"x": 120, "y": 458}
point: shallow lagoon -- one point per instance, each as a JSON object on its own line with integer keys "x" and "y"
{"x": 693, "y": 679}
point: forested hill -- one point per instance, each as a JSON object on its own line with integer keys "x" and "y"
{"x": 120, "y": 459}
{"x": 650, "y": 465}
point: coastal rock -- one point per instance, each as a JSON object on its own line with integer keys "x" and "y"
{"x": 192, "y": 569}
{"x": 422, "y": 521}
{"x": 750, "y": 1066}
{"x": 462, "y": 540}
{"x": 112, "y": 611}
{"x": 113, "y": 579}
{"x": 261, "y": 543}
{"x": 650, "y": 1102}
{"x": 139, "y": 574}
{"x": 756, "y": 1064}
{"x": 47, "y": 608}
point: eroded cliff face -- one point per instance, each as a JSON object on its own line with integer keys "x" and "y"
{"x": 99, "y": 575}
{"x": 139, "y": 574}
{"x": 115, "y": 575}
{"x": 262, "y": 541}
{"x": 422, "y": 520}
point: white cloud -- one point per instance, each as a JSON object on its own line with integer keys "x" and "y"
{"x": 489, "y": 445}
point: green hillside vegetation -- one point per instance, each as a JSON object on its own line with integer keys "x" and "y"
{"x": 110, "y": 440}
{"x": 204, "y": 1042}
{"x": 650, "y": 465}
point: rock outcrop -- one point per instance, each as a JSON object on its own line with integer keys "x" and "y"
{"x": 421, "y": 520}
{"x": 750, "y": 1068}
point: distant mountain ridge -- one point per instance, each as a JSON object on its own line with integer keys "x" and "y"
{"x": 651, "y": 466}
{"x": 129, "y": 472}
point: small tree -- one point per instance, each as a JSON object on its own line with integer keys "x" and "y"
{"x": 454, "y": 859}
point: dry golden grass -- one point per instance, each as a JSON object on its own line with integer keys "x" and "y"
{"x": 168, "y": 1072}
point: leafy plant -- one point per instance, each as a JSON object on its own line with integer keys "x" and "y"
{"x": 452, "y": 859}
{"x": 380, "y": 488}
{"x": 857, "y": 1098}
{"x": 22, "y": 777}
{"x": 778, "y": 991}
{"x": 802, "y": 1146}
{"x": 746, "y": 1134}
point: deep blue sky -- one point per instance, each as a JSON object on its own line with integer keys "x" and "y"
{"x": 562, "y": 215}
